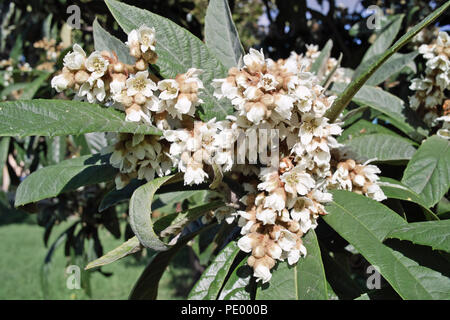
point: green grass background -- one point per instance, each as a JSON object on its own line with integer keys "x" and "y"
{"x": 22, "y": 254}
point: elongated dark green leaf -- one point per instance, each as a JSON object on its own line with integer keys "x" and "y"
{"x": 365, "y": 223}
{"x": 105, "y": 41}
{"x": 319, "y": 65}
{"x": 385, "y": 38}
{"x": 396, "y": 190}
{"x": 401, "y": 116}
{"x": 146, "y": 287}
{"x": 129, "y": 247}
{"x": 304, "y": 281}
{"x": 344, "y": 99}
{"x": 394, "y": 65}
{"x": 363, "y": 127}
{"x": 221, "y": 35}
{"x": 62, "y": 117}
{"x": 56, "y": 149}
{"x": 116, "y": 196}
{"x": 428, "y": 172}
{"x": 383, "y": 147}
{"x": 174, "y": 223}
{"x": 30, "y": 90}
{"x": 239, "y": 286}
{"x": 212, "y": 279}
{"x": 435, "y": 234}
{"x": 140, "y": 214}
{"x": 66, "y": 176}
{"x": 4, "y": 148}
{"x": 178, "y": 50}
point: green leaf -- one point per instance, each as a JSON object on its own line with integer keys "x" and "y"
{"x": 344, "y": 99}
{"x": 56, "y": 149}
{"x": 30, "y": 90}
{"x": 239, "y": 285}
{"x": 435, "y": 234}
{"x": 385, "y": 37}
{"x": 116, "y": 196}
{"x": 146, "y": 287}
{"x": 402, "y": 116}
{"x": 66, "y": 176}
{"x": 178, "y": 50}
{"x": 221, "y": 35}
{"x": 212, "y": 279}
{"x": 365, "y": 223}
{"x": 394, "y": 65}
{"x": 129, "y": 247}
{"x": 364, "y": 296}
{"x": 396, "y": 190}
{"x": 62, "y": 117}
{"x": 319, "y": 65}
{"x": 174, "y": 223}
{"x": 105, "y": 41}
{"x": 140, "y": 214}
{"x": 303, "y": 281}
{"x": 4, "y": 148}
{"x": 384, "y": 147}
{"x": 428, "y": 172}
{"x": 363, "y": 127}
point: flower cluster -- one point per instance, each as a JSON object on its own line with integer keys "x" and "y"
{"x": 139, "y": 156}
{"x": 431, "y": 90}
{"x": 52, "y": 52}
{"x": 284, "y": 197}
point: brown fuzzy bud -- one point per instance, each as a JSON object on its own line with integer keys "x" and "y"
{"x": 81, "y": 76}
{"x": 259, "y": 252}
{"x": 251, "y": 261}
{"x": 141, "y": 65}
{"x": 139, "y": 98}
{"x": 135, "y": 51}
{"x": 119, "y": 67}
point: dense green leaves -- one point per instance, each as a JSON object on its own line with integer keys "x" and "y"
{"x": 126, "y": 248}
{"x": 382, "y": 147}
{"x": 303, "y": 281}
{"x": 178, "y": 50}
{"x": 104, "y": 41}
{"x": 396, "y": 190}
{"x": 146, "y": 287}
{"x": 221, "y": 35}
{"x": 212, "y": 279}
{"x": 365, "y": 223}
{"x": 400, "y": 115}
{"x": 62, "y": 117}
{"x": 397, "y": 63}
{"x": 385, "y": 38}
{"x": 428, "y": 172}
{"x": 344, "y": 99}
{"x": 66, "y": 176}
{"x": 435, "y": 234}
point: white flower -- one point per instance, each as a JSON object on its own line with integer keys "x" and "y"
{"x": 266, "y": 216}
{"x": 169, "y": 89}
{"x": 287, "y": 240}
{"x": 94, "y": 91}
{"x": 75, "y": 60}
{"x": 62, "y": 82}
{"x": 136, "y": 114}
{"x": 374, "y": 191}
{"x": 97, "y": 65}
{"x": 254, "y": 59}
{"x": 146, "y": 37}
{"x": 246, "y": 243}
{"x": 262, "y": 272}
{"x": 297, "y": 181}
{"x": 194, "y": 173}
{"x": 275, "y": 201}
{"x": 140, "y": 83}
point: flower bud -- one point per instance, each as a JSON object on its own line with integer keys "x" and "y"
{"x": 81, "y": 77}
